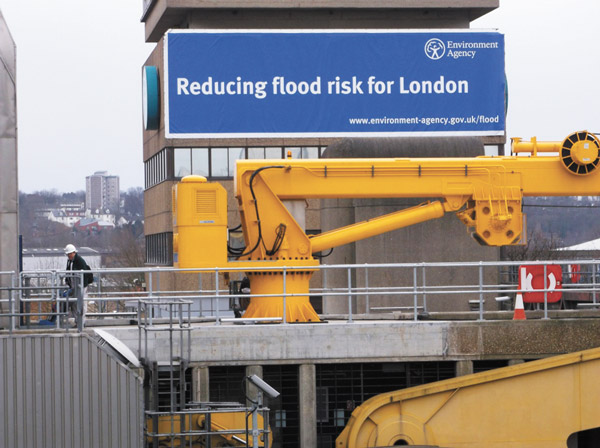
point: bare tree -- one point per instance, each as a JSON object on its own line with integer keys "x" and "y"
{"x": 540, "y": 246}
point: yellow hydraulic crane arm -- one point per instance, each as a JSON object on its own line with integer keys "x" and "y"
{"x": 485, "y": 192}
{"x": 541, "y": 404}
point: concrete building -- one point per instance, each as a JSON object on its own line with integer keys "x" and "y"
{"x": 321, "y": 388}
{"x": 93, "y": 225}
{"x": 9, "y": 221}
{"x": 102, "y": 192}
{"x": 68, "y": 218}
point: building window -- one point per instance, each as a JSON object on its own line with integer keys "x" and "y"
{"x": 322, "y": 404}
{"x": 280, "y": 421}
{"x": 235, "y": 154}
{"x": 156, "y": 169}
{"x": 214, "y": 163}
{"x": 219, "y": 162}
{"x": 159, "y": 249}
{"x": 338, "y": 417}
{"x": 200, "y": 162}
{"x": 182, "y": 162}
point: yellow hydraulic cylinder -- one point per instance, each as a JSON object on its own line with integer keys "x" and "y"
{"x": 377, "y": 226}
{"x": 533, "y": 146}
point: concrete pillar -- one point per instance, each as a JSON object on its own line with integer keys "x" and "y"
{"x": 307, "y": 381}
{"x": 463, "y": 368}
{"x": 200, "y": 384}
{"x": 251, "y": 389}
{"x": 9, "y": 185}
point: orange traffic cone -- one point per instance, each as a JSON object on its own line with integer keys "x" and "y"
{"x": 519, "y": 309}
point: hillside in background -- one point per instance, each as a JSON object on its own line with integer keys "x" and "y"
{"x": 551, "y": 222}
{"x": 568, "y": 220}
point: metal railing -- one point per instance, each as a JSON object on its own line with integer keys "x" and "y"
{"x": 34, "y": 298}
{"x": 184, "y": 422}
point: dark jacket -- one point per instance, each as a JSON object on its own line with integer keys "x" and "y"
{"x": 79, "y": 264}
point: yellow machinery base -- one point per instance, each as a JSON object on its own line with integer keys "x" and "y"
{"x": 298, "y": 308}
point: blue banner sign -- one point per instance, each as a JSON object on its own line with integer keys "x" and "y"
{"x": 329, "y": 84}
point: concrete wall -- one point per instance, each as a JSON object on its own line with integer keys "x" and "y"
{"x": 369, "y": 341}
{"x": 9, "y": 221}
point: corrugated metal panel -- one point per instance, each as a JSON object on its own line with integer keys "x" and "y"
{"x": 65, "y": 391}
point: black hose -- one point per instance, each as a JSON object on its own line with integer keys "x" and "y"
{"x": 258, "y": 241}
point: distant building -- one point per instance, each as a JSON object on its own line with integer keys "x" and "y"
{"x": 92, "y": 225}
{"x": 67, "y": 213}
{"x": 67, "y": 218}
{"x": 102, "y": 192}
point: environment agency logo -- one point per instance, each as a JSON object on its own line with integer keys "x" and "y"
{"x": 435, "y": 49}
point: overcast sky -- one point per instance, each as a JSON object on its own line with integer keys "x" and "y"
{"x": 79, "y": 81}
{"x": 78, "y": 90}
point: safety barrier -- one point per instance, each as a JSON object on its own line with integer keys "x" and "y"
{"x": 35, "y": 298}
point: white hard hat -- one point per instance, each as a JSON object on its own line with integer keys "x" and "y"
{"x": 70, "y": 249}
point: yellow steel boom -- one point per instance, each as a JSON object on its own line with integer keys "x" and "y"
{"x": 543, "y": 404}
{"x": 486, "y": 192}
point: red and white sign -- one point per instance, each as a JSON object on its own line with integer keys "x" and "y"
{"x": 575, "y": 272}
{"x": 531, "y": 281}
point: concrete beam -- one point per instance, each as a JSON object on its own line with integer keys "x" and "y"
{"x": 200, "y": 384}
{"x": 464, "y": 367}
{"x": 297, "y": 344}
{"x": 382, "y": 341}
{"x": 160, "y": 15}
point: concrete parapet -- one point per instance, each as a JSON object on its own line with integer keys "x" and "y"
{"x": 374, "y": 341}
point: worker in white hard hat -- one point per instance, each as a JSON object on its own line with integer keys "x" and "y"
{"x": 76, "y": 262}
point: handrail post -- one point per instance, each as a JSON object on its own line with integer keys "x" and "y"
{"x": 349, "y": 295}
{"x": 101, "y": 303}
{"x": 480, "y": 290}
{"x": 367, "y": 296}
{"x": 424, "y": 290}
{"x": 218, "y": 319}
{"x": 324, "y": 287}
{"x": 594, "y": 282}
{"x": 21, "y": 284}
{"x": 139, "y": 324}
{"x": 80, "y": 306}
{"x": 150, "y": 312}
{"x": 200, "y": 306}
{"x": 545, "y": 291}
{"x": 158, "y": 292}
{"x": 415, "y": 295}
{"x": 55, "y": 295}
{"x": 11, "y": 302}
{"x": 284, "y": 295}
